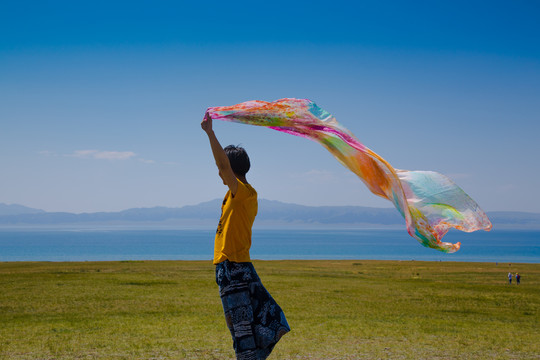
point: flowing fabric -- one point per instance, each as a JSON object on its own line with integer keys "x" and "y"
{"x": 430, "y": 202}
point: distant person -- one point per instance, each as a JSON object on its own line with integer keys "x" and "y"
{"x": 518, "y": 278}
{"x": 510, "y": 278}
{"x": 255, "y": 320}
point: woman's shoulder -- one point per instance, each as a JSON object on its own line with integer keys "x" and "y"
{"x": 247, "y": 188}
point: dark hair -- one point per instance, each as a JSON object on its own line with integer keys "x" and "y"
{"x": 238, "y": 158}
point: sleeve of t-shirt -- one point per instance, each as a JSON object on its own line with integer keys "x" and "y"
{"x": 242, "y": 192}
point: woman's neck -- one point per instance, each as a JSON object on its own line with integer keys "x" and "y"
{"x": 242, "y": 179}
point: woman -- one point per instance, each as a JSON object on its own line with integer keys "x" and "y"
{"x": 255, "y": 320}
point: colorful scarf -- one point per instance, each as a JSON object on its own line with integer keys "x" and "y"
{"x": 430, "y": 202}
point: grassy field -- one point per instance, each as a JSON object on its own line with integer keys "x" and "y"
{"x": 337, "y": 310}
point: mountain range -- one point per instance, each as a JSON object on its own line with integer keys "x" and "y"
{"x": 272, "y": 214}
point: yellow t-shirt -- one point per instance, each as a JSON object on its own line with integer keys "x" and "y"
{"x": 233, "y": 235}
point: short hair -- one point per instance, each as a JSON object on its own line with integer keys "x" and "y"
{"x": 239, "y": 159}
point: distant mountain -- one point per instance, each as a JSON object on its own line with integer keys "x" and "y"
{"x": 515, "y": 218}
{"x": 15, "y": 209}
{"x": 271, "y": 214}
{"x": 194, "y": 214}
{"x": 283, "y": 212}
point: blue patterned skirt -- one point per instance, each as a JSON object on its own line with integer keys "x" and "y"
{"x": 254, "y": 318}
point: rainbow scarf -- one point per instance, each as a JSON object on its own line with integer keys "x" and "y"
{"x": 430, "y": 202}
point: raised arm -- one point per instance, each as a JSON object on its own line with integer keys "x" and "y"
{"x": 222, "y": 161}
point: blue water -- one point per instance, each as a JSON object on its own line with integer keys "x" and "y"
{"x": 96, "y": 245}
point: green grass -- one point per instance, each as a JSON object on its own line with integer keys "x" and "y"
{"x": 337, "y": 310}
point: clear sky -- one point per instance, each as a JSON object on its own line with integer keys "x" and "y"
{"x": 101, "y": 102}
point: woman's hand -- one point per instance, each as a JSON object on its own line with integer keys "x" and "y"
{"x": 206, "y": 124}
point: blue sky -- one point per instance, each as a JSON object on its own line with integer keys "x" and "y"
{"x": 100, "y": 103}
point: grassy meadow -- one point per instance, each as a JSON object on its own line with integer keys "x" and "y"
{"x": 337, "y": 310}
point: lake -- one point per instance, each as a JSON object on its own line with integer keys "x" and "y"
{"x": 110, "y": 244}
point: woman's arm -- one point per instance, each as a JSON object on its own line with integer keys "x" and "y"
{"x": 222, "y": 161}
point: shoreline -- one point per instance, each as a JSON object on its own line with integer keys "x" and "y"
{"x": 209, "y": 261}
